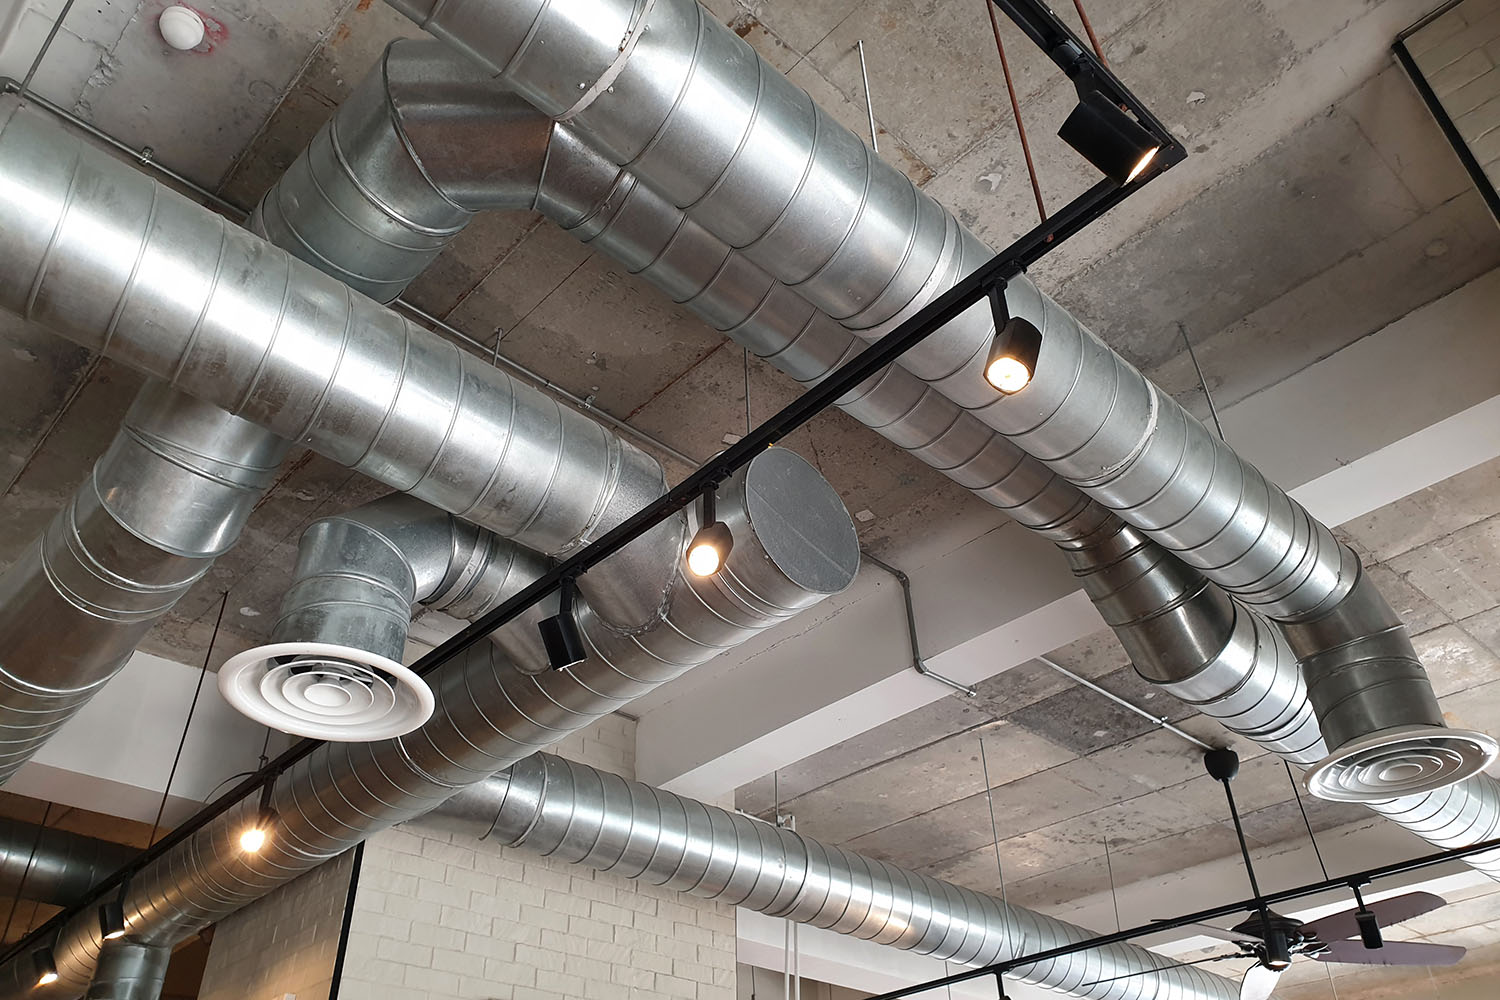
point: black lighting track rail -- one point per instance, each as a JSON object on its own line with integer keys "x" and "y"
{"x": 1042, "y": 26}
{"x": 1352, "y": 881}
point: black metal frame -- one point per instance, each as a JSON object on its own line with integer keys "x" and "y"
{"x": 1040, "y": 24}
{"x": 1352, "y": 882}
{"x": 1434, "y": 104}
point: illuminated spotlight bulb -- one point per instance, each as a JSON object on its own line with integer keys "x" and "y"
{"x": 1014, "y": 352}
{"x": 45, "y": 965}
{"x": 111, "y": 920}
{"x": 713, "y": 542}
{"x": 253, "y": 839}
{"x": 1101, "y": 132}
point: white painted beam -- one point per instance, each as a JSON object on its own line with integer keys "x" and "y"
{"x": 1388, "y": 415}
{"x": 115, "y": 754}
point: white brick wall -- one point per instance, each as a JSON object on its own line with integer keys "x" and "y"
{"x": 284, "y": 943}
{"x": 1459, "y": 54}
{"x": 439, "y": 917}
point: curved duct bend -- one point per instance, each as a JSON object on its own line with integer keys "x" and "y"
{"x": 794, "y": 545}
{"x": 698, "y": 116}
{"x": 577, "y": 814}
{"x": 57, "y": 867}
{"x": 129, "y": 970}
{"x": 220, "y": 314}
{"x": 169, "y": 495}
{"x": 1187, "y": 638}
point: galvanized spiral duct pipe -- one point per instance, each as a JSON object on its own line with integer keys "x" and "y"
{"x": 575, "y": 813}
{"x": 129, "y": 970}
{"x": 170, "y": 495}
{"x": 56, "y": 866}
{"x": 693, "y": 111}
{"x": 240, "y": 324}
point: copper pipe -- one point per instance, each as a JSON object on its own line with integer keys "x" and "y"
{"x": 1089, "y": 30}
{"x": 1015, "y": 107}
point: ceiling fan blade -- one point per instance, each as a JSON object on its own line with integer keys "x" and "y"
{"x": 1394, "y": 953}
{"x": 1209, "y": 930}
{"x": 1259, "y": 983}
{"x": 1337, "y": 926}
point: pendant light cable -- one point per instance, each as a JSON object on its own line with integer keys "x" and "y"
{"x": 188, "y": 722}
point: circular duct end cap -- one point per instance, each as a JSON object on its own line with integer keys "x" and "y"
{"x": 1405, "y": 760}
{"x": 801, "y": 522}
{"x": 326, "y": 691}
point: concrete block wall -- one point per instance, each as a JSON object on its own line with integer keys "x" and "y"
{"x": 285, "y": 943}
{"x": 1459, "y": 54}
{"x": 440, "y": 917}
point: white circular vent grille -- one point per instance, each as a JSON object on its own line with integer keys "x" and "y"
{"x": 1407, "y": 760}
{"x": 326, "y": 691}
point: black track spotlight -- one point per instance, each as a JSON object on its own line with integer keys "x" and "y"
{"x": 1278, "y": 949}
{"x": 255, "y": 836}
{"x": 111, "y": 920}
{"x": 713, "y": 542}
{"x": 1013, "y": 355}
{"x": 45, "y": 964}
{"x": 560, "y": 635}
{"x": 1102, "y": 133}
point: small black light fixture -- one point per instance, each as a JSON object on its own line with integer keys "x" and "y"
{"x": 1014, "y": 352}
{"x": 254, "y": 837}
{"x": 1369, "y": 924}
{"x": 1102, "y": 132}
{"x": 111, "y": 920}
{"x": 711, "y": 546}
{"x": 1278, "y": 948}
{"x": 560, "y": 635}
{"x": 45, "y": 964}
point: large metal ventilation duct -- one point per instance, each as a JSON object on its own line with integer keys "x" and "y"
{"x": 577, "y": 814}
{"x": 54, "y": 866}
{"x": 700, "y": 118}
{"x": 1189, "y": 639}
{"x": 129, "y": 970}
{"x": 169, "y": 495}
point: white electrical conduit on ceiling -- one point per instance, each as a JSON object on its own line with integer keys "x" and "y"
{"x": 697, "y": 115}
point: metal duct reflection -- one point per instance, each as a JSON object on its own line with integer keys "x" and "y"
{"x": 57, "y": 867}
{"x": 129, "y": 970}
{"x": 169, "y": 495}
{"x": 700, "y": 118}
{"x": 577, "y": 814}
{"x": 794, "y": 545}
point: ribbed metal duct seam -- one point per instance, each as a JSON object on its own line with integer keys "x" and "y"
{"x": 382, "y": 176}
{"x": 1186, "y": 637}
{"x": 108, "y": 258}
{"x": 170, "y": 494}
{"x": 696, "y": 114}
{"x": 794, "y": 545}
{"x": 575, "y": 813}
{"x": 129, "y": 970}
{"x": 56, "y": 866}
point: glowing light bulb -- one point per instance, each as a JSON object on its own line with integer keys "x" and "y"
{"x": 252, "y": 840}
{"x": 1007, "y": 374}
{"x": 1142, "y": 164}
{"x": 703, "y": 559}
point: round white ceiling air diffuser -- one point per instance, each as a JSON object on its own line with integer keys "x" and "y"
{"x": 1406, "y": 760}
{"x": 326, "y": 691}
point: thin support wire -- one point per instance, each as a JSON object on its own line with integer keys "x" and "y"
{"x": 1015, "y": 107}
{"x": 1109, "y": 867}
{"x": 1213, "y": 410}
{"x": 869, "y": 102}
{"x": 188, "y": 722}
{"x": 21, "y": 886}
{"x": 1015, "y": 946}
{"x": 1305, "y": 821}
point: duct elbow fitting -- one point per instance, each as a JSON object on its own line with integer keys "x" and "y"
{"x": 1376, "y": 707}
